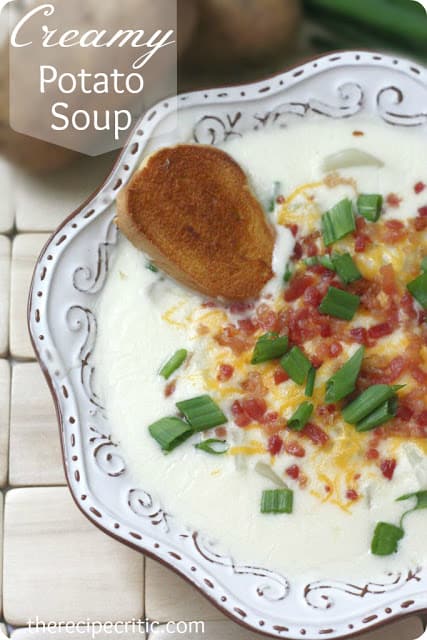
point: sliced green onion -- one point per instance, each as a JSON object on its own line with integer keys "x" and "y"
{"x": 288, "y": 274}
{"x": 170, "y": 432}
{"x": 379, "y": 416}
{"x": 152, "y": 267}
{"x": 202, "y": 412}
{"x": 346, "y": 268}
{"x": 339, "y": 304}
{"x": 368, "y": 401}
{"x": 173, "y": 363}
{"x": 213, "y": 446}
{"x": 296, "y": 365}
{"x": 326, "y": 261}
{"x": 386, "y": 539}
{"x": 266, "y": 471}
{"x": 301, "y": 416}
{"x": 418, "y": 289}
{"x": 311, "y": 261}
{"x": 424, "y": 265}
{"x": 268, "y": 347}
{"x": 343, "y": 382}
{"x": 311, "y": 378}
{"x": 338, "y": 222}
{"x": 369, "y": 206}
{"x": 277, "y": 501}
{"x": 420, "y": 498}
{"x": 276, "y": 192}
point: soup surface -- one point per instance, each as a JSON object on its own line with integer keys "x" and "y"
{"x": 343, "y": 467}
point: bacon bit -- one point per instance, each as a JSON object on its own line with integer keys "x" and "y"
{"x": 419, "y": 186}
{"x": 361, "y": 224}
{"x": 225, "y": 371}
{"x": 361, "y": 242}
{"x": 297, "y": 252}
{"x": 221, "y": 432}
{"x": 267, "y": 318}
{"x": 407, "y": 304}
{"x": 327, "y": 488}
{"x": 293, "y": 448}
{"x": 241, "y": 307}
{"x": 293, "y": 228}
{"x": 209, "y": 304}
{"x": 170, "y": 388}
{"x": 420, "y": 224}
{"x": 280, "y": 199}
{"x": 293, "y": 471}
{"x": 388, "y": 279}
{"x": 372, "y": 454}
{"x": 248, "y": 326}
{"x": 357, "y": 476}
{"x": 280, "y": 376}
{"x": 394, "y": 231}
{"x": 393, "y": 200}
{"x": 352, "y": 495}
{"x": 335, "y": 349}
{"x": 274, "y": 445}
{"x": 312, "y": 296}
{"x": 358, "y": 133}
{"x": 272, "y": 423}
{"x": 240, "y": 416}
{"x": 326, "y": 330}
{"x": 254, "y": 384}
{"x": 254, "y": 407}
{"x": 360, "y": 335}
{"x": 422, "y": 419}
{"x": 297, "y": 287}
{"x": 423, "y": 212}
{"x": 419, "y": 375}
{"x": 404, "y": 412}
{"x": 380, "y": 330}
{"x": 387, "y": 468}
{"x": 315, "y": 434}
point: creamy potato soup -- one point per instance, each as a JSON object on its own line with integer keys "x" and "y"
{"x": 307, "y": 412}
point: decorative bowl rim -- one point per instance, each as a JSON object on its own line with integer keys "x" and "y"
{"x": 114, "y": 182}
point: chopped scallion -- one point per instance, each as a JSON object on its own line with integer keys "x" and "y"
{"x": 369, "y": 206}
{"x": 170, "y": 432}
{"x": 343, "y": 382}
{"x": 288, "y": 274}
{"x": 326, "y": 261}
{"x": 345, "y": 267}
{"x": 296, "y": 365}
{"x": 368, "y": 401}
{"x": 277, "y": 501}
{"x": 339, "y": 304}
{"x": 173, "y": 363}
{"x": 379, "y": 416}
{"x": 202, "y": 412}
{"x": 311, "y": 378}
{"x": 418, "y": 289}
{"x": 301, "y": 416}
{"x": 213, "y": 446}
{"x": 268, "y": 347}
{"x": 338, "y": 222}
{"x": 424, "y": 264}
{"x": 152, "y": 267}
{"x": 386, "y": 539}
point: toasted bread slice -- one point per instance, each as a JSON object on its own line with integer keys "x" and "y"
{"x": 191, "y": 210}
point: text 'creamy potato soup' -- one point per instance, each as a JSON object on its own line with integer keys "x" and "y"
{"x": 292, "y": 430}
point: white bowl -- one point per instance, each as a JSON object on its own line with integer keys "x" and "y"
{"x": 68, "y": 279}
